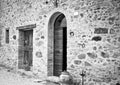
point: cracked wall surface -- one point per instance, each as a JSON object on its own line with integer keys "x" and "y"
{"x": 93, "y": 36}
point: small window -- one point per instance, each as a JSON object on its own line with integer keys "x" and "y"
{"x": 7, "y": 35}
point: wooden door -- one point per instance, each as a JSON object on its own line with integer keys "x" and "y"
{"x": 58, "y": 51}
{"x": 28, "y": 48}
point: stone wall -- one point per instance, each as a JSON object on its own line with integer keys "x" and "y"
{"x": 93, "y": 36}
{"x": 94, "y": 41}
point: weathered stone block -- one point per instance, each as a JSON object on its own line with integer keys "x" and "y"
{"x": 77, "y": 62}
{"x": 87, "y": 63}
{"x": 101, "y": 31}
{"x": 97, "y": 38}
{"x": 82, "y": 56}
{"x": 104, "y": 55}
{"x": 92, "y": 55}
{"x": 112, "y": 31}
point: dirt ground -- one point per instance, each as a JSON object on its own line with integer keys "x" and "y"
{"x": 10, "y": 77}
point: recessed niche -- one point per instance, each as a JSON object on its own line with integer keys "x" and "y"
{"x": 14, "y": 37}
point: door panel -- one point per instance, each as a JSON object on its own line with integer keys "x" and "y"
{"x": 28, "y": 48}
{"x": 58, "y": 51}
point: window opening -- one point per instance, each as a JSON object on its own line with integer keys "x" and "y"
{"x": 7, "y": 36}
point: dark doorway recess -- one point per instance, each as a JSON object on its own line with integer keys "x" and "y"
{"x": 60, "y": 45}
{"x": 64, "y": 48}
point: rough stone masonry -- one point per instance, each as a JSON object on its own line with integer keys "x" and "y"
{"x": 93, "y": 28}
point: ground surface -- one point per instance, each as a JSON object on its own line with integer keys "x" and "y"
{"x": 8, "y": 77}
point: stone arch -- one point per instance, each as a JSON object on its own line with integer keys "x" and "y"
{"x": 57, "y": 44}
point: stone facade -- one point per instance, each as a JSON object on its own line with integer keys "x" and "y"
{"x": 93, "y": 33}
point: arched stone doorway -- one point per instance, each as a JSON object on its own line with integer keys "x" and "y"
{"x": 57, "y": 44}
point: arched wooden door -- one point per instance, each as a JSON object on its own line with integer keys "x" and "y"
{"x": 60, "y": 45}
